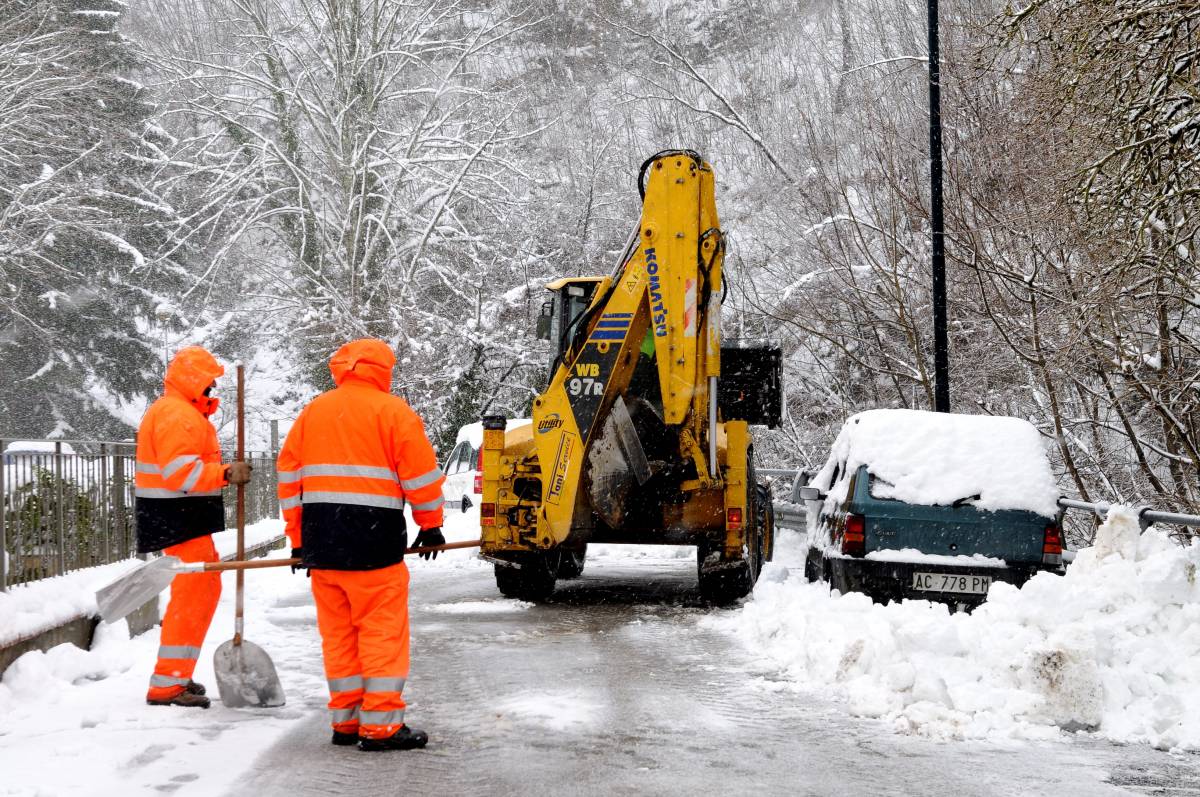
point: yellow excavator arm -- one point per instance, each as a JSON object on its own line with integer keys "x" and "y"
{"x": 666, "y": 289}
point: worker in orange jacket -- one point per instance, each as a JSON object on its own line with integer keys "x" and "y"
{"x": 352, "y": 459}
{"x": 178, "y": 489}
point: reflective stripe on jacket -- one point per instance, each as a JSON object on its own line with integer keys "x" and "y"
{"x": 352, "y": 460}
{"x": 179, "y": 475}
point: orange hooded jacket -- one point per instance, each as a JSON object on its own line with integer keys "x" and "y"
{"x": 179, "y": 472}
{"x": 352, "y": 459}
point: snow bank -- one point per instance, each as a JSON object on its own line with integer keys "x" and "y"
{"x": 76, "y": 721}
{"x": 937, "y": 458}
{"x": 1112, "y": 646}
{"x": 28, "y": 609}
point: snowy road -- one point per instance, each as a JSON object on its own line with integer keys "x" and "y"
{"x": 623, "y": 684}
{"x": 615, "y": 688}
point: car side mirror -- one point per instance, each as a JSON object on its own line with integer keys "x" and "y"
{"x": 811, "y": 494}
{"x": 544, "y": 320}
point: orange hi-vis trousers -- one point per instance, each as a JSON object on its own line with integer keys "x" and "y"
{"x": 193, "y": 602}
{"x": 363, "y": 619}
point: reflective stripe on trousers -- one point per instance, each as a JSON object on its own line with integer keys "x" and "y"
{"x": 345, "y": 696}
{"x": 350, "y": 683}
{"x": 342, "y": 716}
{"x": 383, "y": 719}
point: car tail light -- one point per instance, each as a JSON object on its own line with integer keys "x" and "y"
{"x": 487, "y": 514}
{"x": 733, "y": 517}
{"x": 479, "y": 474}
{"x": 1052, "y": 545}
{"x": 854, "y": 539}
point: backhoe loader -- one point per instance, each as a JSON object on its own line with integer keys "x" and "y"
{"x": 642, "y": 435}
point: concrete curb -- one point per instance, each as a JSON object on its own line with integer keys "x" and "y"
{"x": 80, "y": 630}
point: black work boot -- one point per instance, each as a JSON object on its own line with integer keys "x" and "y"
{"x": 185, "y": 698}
{"x": 404, "y": 739}
{"x": 345, "y": 739}
{"x": 195, "y": 688}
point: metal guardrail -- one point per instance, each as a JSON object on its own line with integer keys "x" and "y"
{"x": 69, "y": 504}
{"x": 790, "y": 516}
{"x": 1146, "y": 515}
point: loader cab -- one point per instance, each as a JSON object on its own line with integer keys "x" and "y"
{"x": 560, "y": 315}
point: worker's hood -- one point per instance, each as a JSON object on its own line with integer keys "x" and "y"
{"x": 368, "y": 360}
{"x": 190, "y": 373}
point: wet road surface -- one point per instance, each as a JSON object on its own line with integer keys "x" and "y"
{"x": 613, "y": 688}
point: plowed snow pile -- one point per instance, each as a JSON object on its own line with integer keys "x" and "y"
{"x": 1112, "y": 646}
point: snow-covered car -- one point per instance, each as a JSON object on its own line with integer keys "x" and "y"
{"x": 935, "y": 506}
{"x": 463, "y": 467}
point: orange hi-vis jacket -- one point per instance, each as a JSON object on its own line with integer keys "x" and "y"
{"x": 179, "y": 471}
{"x": 352, "y": 459}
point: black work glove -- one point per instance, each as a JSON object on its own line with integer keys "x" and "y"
{"x": 427, "y": 538}
{"x": 298, "y": 553}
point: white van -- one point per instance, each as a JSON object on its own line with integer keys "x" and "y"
{"x": 463, "y": 467}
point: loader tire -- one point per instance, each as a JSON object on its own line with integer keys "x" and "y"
{"x": 571, "y": 563}
{"x": 735, "y": 581}
{"x": 533, "y": 581}
{"x": 727, "y": 585}
{"x": 768, "y": 523}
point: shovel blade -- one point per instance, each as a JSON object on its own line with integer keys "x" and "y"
{"x": 246, "y": 676}
{"x": 134, "y": 589}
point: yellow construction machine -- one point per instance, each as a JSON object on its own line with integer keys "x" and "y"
{"x": 642, "y": 435}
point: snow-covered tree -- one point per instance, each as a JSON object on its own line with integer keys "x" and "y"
{"x": 82, "y": 231}
{"x": 358, "y": 160}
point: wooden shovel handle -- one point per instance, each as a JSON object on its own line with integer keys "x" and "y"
{"x": 261, "y": 563}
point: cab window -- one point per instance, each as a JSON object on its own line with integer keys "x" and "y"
{"x": 453, "y": 462}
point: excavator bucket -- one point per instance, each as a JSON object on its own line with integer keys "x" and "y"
{"x": 616, "y": 463}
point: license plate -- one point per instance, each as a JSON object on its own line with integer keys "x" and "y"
{"x": 949, "y": 582}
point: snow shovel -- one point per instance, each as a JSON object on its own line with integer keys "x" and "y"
{"x": 132, "y": 590}
{"x": 245, "y": 673}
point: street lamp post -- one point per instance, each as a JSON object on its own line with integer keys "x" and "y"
{"x": 941, "y": 345}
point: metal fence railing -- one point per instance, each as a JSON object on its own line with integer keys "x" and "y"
{"x": 69, "y": 504}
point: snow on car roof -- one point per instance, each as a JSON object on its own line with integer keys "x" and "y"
{"x": 473, "y": 432}
{"x": 938, "y": 458}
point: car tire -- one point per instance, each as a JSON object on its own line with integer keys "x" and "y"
{"x": 812, "y": 566}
